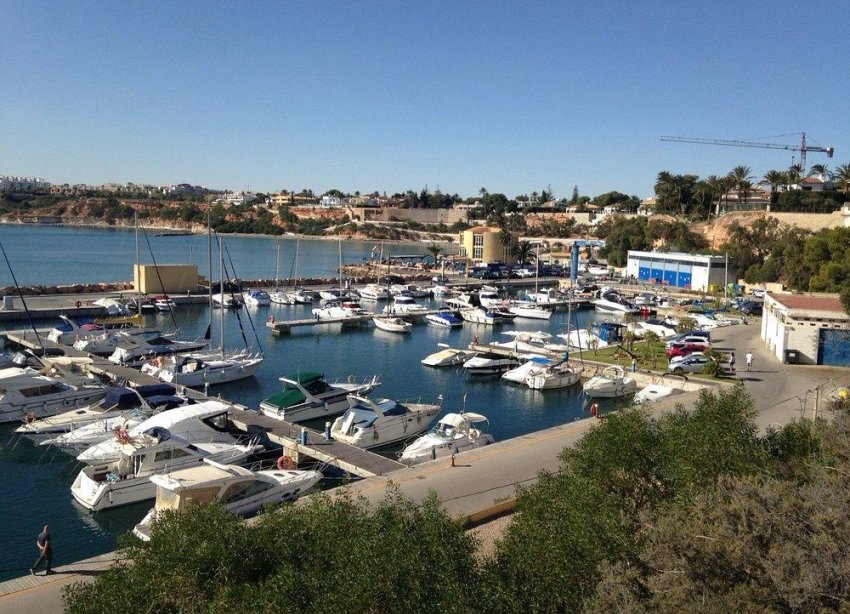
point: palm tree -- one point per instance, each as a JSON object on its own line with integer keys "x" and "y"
{"x": 795, "y": 173}
{"x": 522, "y": 251}
{"x": 820, "y": 169}
{"x": 841, "y": 176}
{"x": 716, "y": 186}
{"x": 505, "y": 238}
{"x": 775, "y": 180}
{"x": 742, "y": 180}
{"x": 435, "y": 250}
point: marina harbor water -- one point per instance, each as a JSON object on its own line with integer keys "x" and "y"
{"x": 36, "y": 481}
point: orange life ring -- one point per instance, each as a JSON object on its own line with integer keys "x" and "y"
{"x": 78, "y": 304}
{"x": 594, "y": 409}
{"x": 285, "y": 462}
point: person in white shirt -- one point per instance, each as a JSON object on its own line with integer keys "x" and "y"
{"x": 749, "y": 359}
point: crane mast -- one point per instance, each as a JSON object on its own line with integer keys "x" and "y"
{"x": 802, "y": 147}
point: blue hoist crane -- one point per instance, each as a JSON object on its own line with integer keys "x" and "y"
{"x": 574, "y": 255}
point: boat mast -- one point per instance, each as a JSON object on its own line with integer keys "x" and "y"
{"x": 221, "y": 283}
{"x": 295, "y": 275}
{"x": 209, "y": 265}
{"x": 277, "y": 267}
{"x": 339, "y": 237}
{"x": 138, "y": 272}
{"x": 536, "y": 271}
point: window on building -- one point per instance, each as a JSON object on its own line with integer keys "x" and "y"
{"x": 478, "y": 240}
{"x": 477, "y": 253}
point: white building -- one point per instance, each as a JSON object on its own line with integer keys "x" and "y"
{"x": 693, "y": 271}
{"x": 806, "y": 329}
{"x": 9, "y": 183}
{"x": 237, "y": 199}
{"x": 329, "y": 200}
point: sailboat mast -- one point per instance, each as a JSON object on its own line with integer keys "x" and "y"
{"x": 277, "y": 267}
{"x": 138, "y": 272}
{"x": 295, "y": 275}
{"x": 536, "y": 271}
{"x": 209, "y": 264}
{"x": 221, "y": 283}
{"x": 340, "y": 263}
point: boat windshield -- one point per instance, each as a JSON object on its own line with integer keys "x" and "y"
{"x": 166, "y": 500}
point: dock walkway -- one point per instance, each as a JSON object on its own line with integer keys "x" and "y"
{"x": 282, "y": 327}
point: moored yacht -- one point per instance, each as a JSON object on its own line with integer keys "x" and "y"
{"x": 611, "y": 383}
{"x": 488, "y": 365}
{"x": 25, "y": 394}
{"x": 131, "y": 349}
{"x": 374, "y": 292}
{"x": 404, "y": 305}
{"x": 445, "y": 318}
{"x": 447, "y": 357}
{"x": 610, "y": 301}
{"x": 257, "y": 298}
{"x": 227, "y": 300}
{"x": 239, "y": 490}
{"x": 371, "y": 423}
{"x": 553, "y": 376}
{"x": 202, "y": 368}
{"x": 392, "y": 325}
{"x": 308, "y": 395}
{"x": 518, "y": 374}
{"x": 454, "y": 433}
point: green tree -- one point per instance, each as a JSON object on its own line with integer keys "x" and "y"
{"x": 435, "y": 250}
{"x": 522, "y": 251}
{"x": 621, "y": 235}
{"x": 841, "y": 178}
{"x": 774, "y": 180}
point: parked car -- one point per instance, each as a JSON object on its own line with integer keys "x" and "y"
{"x": 439, "y": 279}
{"x": 684, "y": 349}
{"x": 752, "y": 308}
{"x": 758, "y": 293}
{"x": 524, "y": 273}
{"x": 694, "y": 363}
{"x": 692, "y": 338}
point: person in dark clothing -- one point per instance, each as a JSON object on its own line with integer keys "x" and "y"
{"x": 45, "y": 549}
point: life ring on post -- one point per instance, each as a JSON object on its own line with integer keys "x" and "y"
{"x": 594, "y": 410}
{"x": 78, "y": 304}
{"x": 271, "y": 319}
{"x": 285, "y": 462}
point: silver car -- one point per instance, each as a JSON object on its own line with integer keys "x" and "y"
{"x": 694, "y": 363}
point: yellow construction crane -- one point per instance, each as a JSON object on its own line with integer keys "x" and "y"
{"x": 802, "y": 147}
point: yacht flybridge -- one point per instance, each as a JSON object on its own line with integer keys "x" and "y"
{"x": 27, "y": 394}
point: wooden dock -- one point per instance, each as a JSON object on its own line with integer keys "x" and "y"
{"x": 350, "y": 459}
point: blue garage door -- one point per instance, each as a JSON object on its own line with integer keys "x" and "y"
{"x": 684, "y": 280}
{"x": 670, "y": 277}
{"x": 656, "y": 274}
{"x": 834, "y": 347}
{"x": 644, "y": 273}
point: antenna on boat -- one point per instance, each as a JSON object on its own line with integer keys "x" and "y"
{"x": 21, "y": 296}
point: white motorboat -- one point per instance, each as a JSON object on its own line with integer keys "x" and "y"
{"x": 462, "y": 301}
{"x": 126, "y": 480}
{"x": 486, "y": 365}
{"x": 410, "y": 290}
{"x": 239, "y": 490}
{"x": 340, "y": 311}
{"x": 69, "y": 331}
{"x": 131, "y": 348}
{"x": 653, "y": 393}
{"x": 202, "y": 422}
{"x": 439, "y": 290}
{"x": 371, "y": 423}
{"x": 519, "y": 374}
{"x": 302, "y": 296}
{"x": 664, "y": 328}
{"x": 374, "y": 292}
{"x": 227, "y": 300}
{"x": 611, "y": 302}
{"x": 599, "y": 335}
{"x": 405, "y": 305}
{"x": 281, "y": 297}
{"x": 444, "y": 318}
{"x": 447, "y": 357}
{"x": 392, "y": 325}
{"x": 112, "y": 306}
{"x": 332, "y": 294}
{"x": 163, "y": 303}
{"x": 26, "y": 394}
{"x": 549, "y": 296}
{"x": 489, "y": 298}
{"x": 560, "y": 375}
{"x": 611, "y": 383}
{"x": 106, "y": 342}
{"x": 479, "y": 315}
{"x": 116, "y": 402}
{"x": 202, "y": 368}
{"x": 525, "y": 342}
{"x": 454, "y": 433}
{"x": 308, "y": 396}
{"x": 257, "y": 298}
{"x": 529, "y": 311}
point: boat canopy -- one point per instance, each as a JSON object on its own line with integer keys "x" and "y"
{"x": 304, "y": 377}
{"x": 291, "y": 395}
{"x": 461, "y": 420}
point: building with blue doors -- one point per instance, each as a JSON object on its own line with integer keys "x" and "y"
{"x": 812, "y": 329}
{"x": 692, "y": 271}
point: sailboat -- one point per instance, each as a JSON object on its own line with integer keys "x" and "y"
{"x": 211, "y": 367}
{"x": 299, "y": 295}
{"x": 279, "y": 296}
{"x": 531, "y": 309}
{"x": 331, "y": 294}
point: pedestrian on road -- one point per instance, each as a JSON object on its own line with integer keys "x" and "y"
{"x": 732, "y": 361}
{"x": 749, "y": 359}
{"x": 45, "y": 550}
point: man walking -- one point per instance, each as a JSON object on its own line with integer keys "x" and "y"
{"x": 732, "y": 361}
{"x": 749, "y": 359}
{"x": 45, "y": 549}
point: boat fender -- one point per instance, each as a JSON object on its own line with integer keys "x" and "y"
{"x": 271, "y": 319}
{"x": 594, "y": 410}
{"x": 78, "y": 304}
{"x": 285, "y": 462}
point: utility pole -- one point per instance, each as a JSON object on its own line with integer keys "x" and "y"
{"x": 726, "y": 280}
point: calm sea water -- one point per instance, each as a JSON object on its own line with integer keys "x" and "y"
{"x": 34, "y": 483}
{"x": 54, "y": 255}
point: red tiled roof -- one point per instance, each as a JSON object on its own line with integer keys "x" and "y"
{"x": 814, "y": 303}
{"x": 480, "y": 229}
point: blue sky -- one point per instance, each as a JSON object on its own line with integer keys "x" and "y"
{"x": 393, "y": 96}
